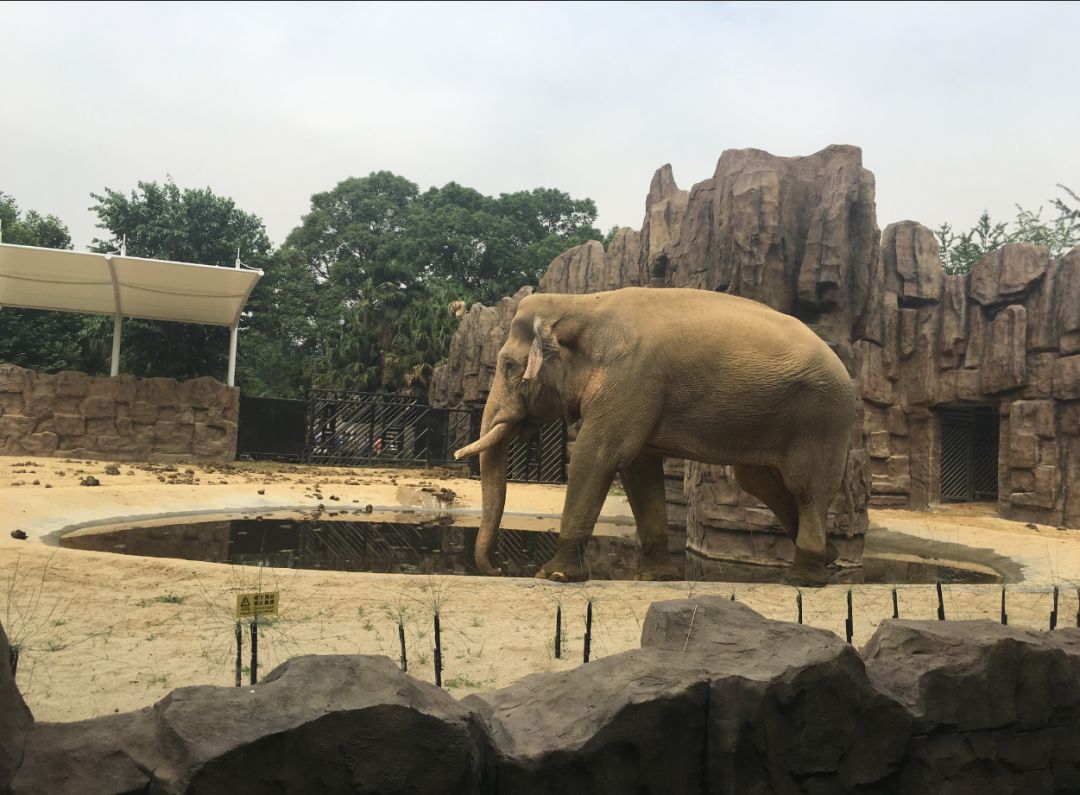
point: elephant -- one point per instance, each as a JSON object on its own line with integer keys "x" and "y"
{"x": 685, "y": 373}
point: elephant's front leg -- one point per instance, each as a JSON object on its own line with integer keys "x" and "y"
{"x": 644, "y": 482}
{"x": 592, "y": 468}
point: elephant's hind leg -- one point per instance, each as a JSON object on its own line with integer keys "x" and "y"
{"x": 643, "y": 479}
{"x": 765, "y": 483}
{"x": 813, "y": 483}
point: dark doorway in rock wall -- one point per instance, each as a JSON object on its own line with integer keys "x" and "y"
{"x": 969, "y": 453}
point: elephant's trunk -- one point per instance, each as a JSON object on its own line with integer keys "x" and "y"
{"x": 493, "y": 489}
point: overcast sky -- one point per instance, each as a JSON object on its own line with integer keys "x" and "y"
{"x": 956, "y": 107}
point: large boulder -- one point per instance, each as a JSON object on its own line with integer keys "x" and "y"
{"x": 632, "y": 722}
{"x": 15, "y": 718}
{"x": 315, "y": 724}
{"x": 996, "y": 709}
{"x": 791, "y": 708}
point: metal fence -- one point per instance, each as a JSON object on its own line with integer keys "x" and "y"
{"x": 360, "y": 428}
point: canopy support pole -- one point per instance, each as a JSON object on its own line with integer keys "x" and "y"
{"x": 118, "y": 318}
{"x": 117, "y": 322}
{"x": 231, "y": 378}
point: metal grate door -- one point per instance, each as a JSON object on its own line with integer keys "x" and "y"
{"x": 969, "y": 453}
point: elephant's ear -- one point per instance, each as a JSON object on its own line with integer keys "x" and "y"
{"x": 544, "y": 345}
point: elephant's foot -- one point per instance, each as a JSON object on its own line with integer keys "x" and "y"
{"x": 811, "y": 568}
{"x": 831, "y": 553}
{"x": 564, "y": 568}
{"x": 657, "y": 567}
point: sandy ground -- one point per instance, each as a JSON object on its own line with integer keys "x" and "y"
{"x": 102, "y": 633}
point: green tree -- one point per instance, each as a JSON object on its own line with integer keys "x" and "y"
{"x": 40, "y": 340}
{"x": 389, "y": 259}
{"x": 960, "y": 251}
{"x": 160, "y": 220}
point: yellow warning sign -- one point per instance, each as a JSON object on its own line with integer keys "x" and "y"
{"x": 249, "y": 605}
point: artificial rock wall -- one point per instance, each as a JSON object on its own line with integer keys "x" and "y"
{"x": 123, "y": 418}
{"x": 1005, "y": 335}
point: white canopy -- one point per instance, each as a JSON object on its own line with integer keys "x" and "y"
{"x": 122, "y": 286}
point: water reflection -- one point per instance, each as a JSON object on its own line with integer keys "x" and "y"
{"x": 436, "y": 548}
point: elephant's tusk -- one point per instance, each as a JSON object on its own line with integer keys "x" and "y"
{"x": 488, "y": 440}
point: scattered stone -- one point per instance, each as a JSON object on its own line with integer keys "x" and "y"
{"x": 36, "y": 482}
{"x": 369, "y": 508}
{"x": 112, "y": 469}
{"x": 19, "y": 535}
{"x": 334, "y": 497}
{"x": 89, "y": 480}
{"x": 1031, "y": 526}
{"x": 262, "y": 491}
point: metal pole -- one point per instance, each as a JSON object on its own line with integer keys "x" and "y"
{"x": 114, "y": 368}
{"x": 231, "y": 378}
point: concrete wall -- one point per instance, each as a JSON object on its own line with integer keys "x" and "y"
{"x": 125, "y": 418}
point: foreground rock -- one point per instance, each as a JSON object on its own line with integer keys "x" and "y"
{"x": 791, "y": 708}
{"x": 315, "y": 724}
{"x": 632, "y": 722}
{"x": 718, "y": 700}
{"x": 996, "y": 709}
{"x": 15, "y": 717}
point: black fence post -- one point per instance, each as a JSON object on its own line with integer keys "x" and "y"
{"x": 588, "y": 631}
{"x": 798, "y": 603}
{"x": 1054, "y": 612}
{"x": 849, "y": 623}
{"x": 1004, "y": 615}
{"x": 940, "y": 603}
{"x": 895, "y": 605}
{"x": 438, "y": 653}
{"x": 401, "y": 637}
{"x": 255, "y": 650}
{"x": 239, "y": 654}
{"x": 558, "y": 632}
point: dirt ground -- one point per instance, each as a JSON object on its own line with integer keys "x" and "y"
{"x": 102, "y": 633}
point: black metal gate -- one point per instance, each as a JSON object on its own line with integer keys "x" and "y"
{"x": 351, "y": 428}
{"x": 358, "y": 428}
{"x": 270, "y": 428}
{"x": 969, "y": 453}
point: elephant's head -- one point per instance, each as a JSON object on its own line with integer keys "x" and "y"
{"x": 530, "y": 388}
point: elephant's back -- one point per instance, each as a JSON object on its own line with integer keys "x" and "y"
{"x": 702, "y": 321}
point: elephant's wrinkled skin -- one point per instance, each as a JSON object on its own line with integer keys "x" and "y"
{"x": 669, "y": 372}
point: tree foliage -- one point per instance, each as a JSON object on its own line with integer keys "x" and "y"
{"x": 389, "y": 259}
{"x": 960, "y": 251}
